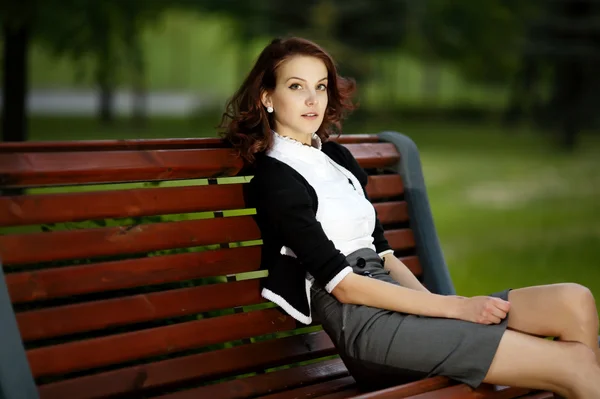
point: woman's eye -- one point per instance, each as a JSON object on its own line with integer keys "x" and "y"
{"x": 295, "y": 86}
{"x": 321, "y": 87}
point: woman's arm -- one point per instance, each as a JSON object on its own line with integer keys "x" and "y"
{"x": 400, "y": 273}
{"x": 362, "y": 290}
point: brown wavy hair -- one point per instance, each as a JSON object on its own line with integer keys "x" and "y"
{"x": 247, "y": 125}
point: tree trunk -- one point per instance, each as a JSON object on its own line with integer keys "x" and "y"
{"x": 105, "y": 79}
{"x": 569, "y": 134}
{"x": 105, "y": 92}
{"x": 139, "y": 93}
{"x": 575, "y": 114}
{"x": 566, "y": 106}
{"x": 139, "y": 115}
{"x": 523, "y": 95}
{"x": 14, "y": 118}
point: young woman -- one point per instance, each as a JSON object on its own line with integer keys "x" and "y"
{"x": 328, "y": 258}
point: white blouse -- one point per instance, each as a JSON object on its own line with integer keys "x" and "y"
{"x": 346, "y": 215}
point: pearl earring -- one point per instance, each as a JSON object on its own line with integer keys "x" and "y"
{"x": 270, "y": 110}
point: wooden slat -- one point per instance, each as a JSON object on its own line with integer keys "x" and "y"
{"x": 540, "y": 395}
{"x": 56, "y": 168}
{"x": 112, "y": 145}
{"x": 86, "y": 243}
{"x": 384, "y": 186}
{"x": 147, "y": 144}
{"x": 107, "y": 276}
{"x": 400, "y": 239}
{"x": 282, "y": 380}
{"x": 355, "y": 138}
{"x": 412, "y": 262}
{"x": 73, "y": 207}
{"x": 462, "y": 391}
{"x": 392, "y": 212}
{"x": 410, "y": 389}
{"x": 96, "y": 352}
{"x": 203, "y": 366}
{"x": 316, "y": 390}
{"x": 374, "y": 155}
{"x": 345, "y": 394}
{"x": 64, "y": 320}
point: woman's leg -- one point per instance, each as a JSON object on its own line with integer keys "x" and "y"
{"x": 566, "y": 311}
{"x": 566, "y": 368}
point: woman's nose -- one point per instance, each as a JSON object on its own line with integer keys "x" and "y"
{"x": 311, "y": 100}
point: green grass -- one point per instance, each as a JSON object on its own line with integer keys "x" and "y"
{"x": 514, "y": 222}
{"x": 510, "y": 210}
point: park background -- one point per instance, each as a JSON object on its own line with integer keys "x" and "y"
{"x": 501, "y": 97}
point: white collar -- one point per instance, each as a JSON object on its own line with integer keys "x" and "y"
{"x": 288, "y": 142}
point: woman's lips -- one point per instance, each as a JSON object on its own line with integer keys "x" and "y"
{"x": 310, "y": 116}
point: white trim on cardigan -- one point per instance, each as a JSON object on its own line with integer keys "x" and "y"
{"x": 277, "y": 299}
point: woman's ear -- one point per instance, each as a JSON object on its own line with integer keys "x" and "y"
{"x": 265, "y": 99}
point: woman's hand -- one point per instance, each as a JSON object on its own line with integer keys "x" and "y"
{"x": 482, "y": 309}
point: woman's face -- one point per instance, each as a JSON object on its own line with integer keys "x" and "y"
{"x": 300, "y": 97}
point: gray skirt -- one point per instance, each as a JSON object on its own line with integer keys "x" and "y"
{"x": 382, "y": 348}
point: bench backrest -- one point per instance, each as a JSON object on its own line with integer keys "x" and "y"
{"x": 133, "y": 266}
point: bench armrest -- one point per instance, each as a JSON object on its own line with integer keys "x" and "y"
{"x": 16, "y": 380}
{"x": 435, "y": 272}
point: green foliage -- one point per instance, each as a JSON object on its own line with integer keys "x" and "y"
{"x": 371, "y": 26}
{"x": 483, "y": 39}
{"x": 261, "y": 18}
{"x": 479, "y": 41}
{"x": 106, "y": 31}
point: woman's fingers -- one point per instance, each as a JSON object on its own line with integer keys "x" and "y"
{"x": 484, "y": 310}
{"x": 498, "y": 313}
{"x": 502, "y": 304}
{"x": 495, "y": 310}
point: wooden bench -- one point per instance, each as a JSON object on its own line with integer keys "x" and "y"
{"x": 153, "y": 291}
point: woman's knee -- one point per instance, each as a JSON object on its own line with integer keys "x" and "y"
{"x": 580, "y": 302}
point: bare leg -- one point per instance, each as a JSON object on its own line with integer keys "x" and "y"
{"x": 566, "y": 311}
{"x": 566, "y": 368}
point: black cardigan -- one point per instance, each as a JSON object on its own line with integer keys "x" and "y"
{"x": 286, "y": 206}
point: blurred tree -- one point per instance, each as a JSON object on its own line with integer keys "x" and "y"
{"x": 108, "y": 32}
{"x": 481, "y": 39}
{"x": 79, "y": 29}
{"x": 558, "y": 82}
{"x": 364, "y": 28}
{"x": 257, "y": 19}
{"x": 134, "y": 17}
{"x": 347, "y": 28}
{"x": 371, "y": 26}
{"x": 571, "y": 102}
{"x": 17, "y": 20}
